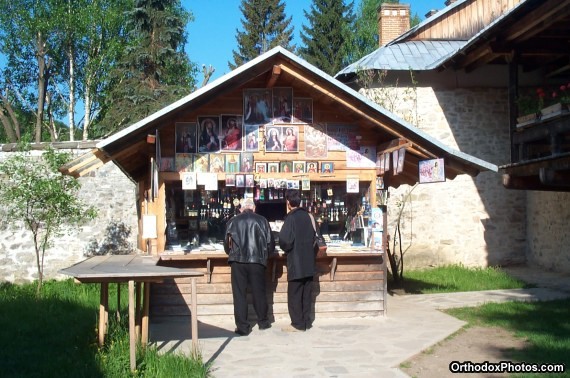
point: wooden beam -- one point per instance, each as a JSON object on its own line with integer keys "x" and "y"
{"x": 275, "y": 73}
{"x": 530, "y": 183}
{"x": 538, "y": 20}
{"x": 83, "y": 160}
{"x": 554, "y": 178}
{"x": 394, "y": 144}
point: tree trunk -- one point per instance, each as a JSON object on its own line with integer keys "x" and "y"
{"x": 42, "y": 85}
{"x": 87, "y": 105}
{"x": 71, "y": 106}
{"x": 13, "y": 124}
{"x": 7, "y": 126}
{"x": 51, "y": 120}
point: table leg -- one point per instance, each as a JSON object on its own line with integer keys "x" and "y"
{"x": 145, "y": 310}
{"x": 132, "y": 336}
{"x": 118, "y": 314}
{"x": 194, "y": 319}
{"x": 137, "y": 308}
{"x": 103, "y": 309}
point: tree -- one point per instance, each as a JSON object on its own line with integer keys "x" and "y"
{"x": 264, "y": 26}
{"x": 28, "y": 38}
{"x": 154, "y": 70}
{"x": 57, "y": 51}
{"x": 34, "y": 192}
{"x": 326, "y": 39}
{"x": 364, "y": 38}
{"x": 105, "y": 39}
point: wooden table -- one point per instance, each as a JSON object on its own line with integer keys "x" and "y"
{"x": 132, "y": 269}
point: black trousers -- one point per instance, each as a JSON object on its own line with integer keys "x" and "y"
{"x": 299, "y": 298}
{"x": 252, "y": 275}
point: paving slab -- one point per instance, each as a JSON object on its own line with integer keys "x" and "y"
{"x": 353, "y": 347}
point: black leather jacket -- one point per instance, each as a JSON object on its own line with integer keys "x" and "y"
{"x": 248, "y": 239}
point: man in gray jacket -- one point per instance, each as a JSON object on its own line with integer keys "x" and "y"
{"x": 296, "y": 239}
{"x": 248, "y": 243}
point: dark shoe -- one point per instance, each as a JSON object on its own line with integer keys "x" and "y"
{"x": 264, "y": 326}
{"x": 291, "y": 328}
{"x": 242, "y": 333}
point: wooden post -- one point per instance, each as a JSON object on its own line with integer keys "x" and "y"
{"x": 144, "y": 326}
{"x": 194, "y": 319}
{"x": 118, "y": 301}
{"x": 103, "y": 300}
{"x": 138, "y": 309}
{"x": 132, "y": 336}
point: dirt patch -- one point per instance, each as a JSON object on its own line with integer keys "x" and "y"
{"x": 475, "y": 344}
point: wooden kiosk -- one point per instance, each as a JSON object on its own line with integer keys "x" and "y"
{"x": 274, "y": 123}
{"x": 351, "y": 278}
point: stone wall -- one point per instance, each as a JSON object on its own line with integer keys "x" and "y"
{"x": 472, "y": 221}
{"x": 548, "y": 236}
{"x": 106, "y": 188}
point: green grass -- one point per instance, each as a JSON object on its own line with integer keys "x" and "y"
{"x": 455, "y": 278}
{"x": 545, "y": 325}
{"x": 56, "y": 336}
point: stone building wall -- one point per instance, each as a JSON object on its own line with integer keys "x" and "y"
{"x": 548, "y": 237}
{"x": 106, "y": 188}
{"x": 474, "y": 221}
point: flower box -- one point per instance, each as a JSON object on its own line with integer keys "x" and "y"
{"x": 528, "y": 118}
{"x": 552, "y": 109}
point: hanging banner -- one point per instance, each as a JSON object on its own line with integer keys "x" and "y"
{"x": 432, "y": 170}
{"x": 399, "y": 167}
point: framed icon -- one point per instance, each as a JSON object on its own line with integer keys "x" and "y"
{"x": 327, "y": 167}
{"x": 260, "y": 167}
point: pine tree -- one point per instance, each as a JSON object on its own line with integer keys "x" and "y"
{"x": 265, "y": 26}
{"x": 326, "y": 39}
{"x": 154, "y": 71}
{"x": 364, "y": 39}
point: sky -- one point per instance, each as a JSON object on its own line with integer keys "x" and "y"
{"x": 212, "y": 34}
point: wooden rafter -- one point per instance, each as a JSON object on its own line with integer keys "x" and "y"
{"x": 275, "y": 73}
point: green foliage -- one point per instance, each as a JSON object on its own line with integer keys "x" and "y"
{"x": 57, "y": 333}
{"x": 264, "y": 26}
{"x": 154, "y": 70}
{"x": 364, "y": 38}
{"x": 326, "y": 40}
{"x": 455, "y": 278}
{"x": 34, "y": 192}
{"x": 545, "y": 325}
{"x": 55, "y": 53}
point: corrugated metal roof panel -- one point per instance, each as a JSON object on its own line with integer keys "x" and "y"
{"x": 415, "y": 55}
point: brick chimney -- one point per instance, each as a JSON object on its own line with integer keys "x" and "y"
{"x": 393, "y": 21}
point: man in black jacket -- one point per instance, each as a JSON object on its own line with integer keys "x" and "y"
{"x": 296, "y": 239}
{"x": 248, "y": 242}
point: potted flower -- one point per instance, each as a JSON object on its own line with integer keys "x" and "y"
{"x": 529, "y": 107}
{"x": 565, "y": 96}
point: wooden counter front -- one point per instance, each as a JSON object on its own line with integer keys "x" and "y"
{"x": 347, "y": 284}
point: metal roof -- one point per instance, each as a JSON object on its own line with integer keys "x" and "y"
{"x": 412, "y": 55}
{"x": 419, "y": 55}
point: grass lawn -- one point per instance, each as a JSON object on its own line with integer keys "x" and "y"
{"x": 56, "y": 336}
{"x": 454, "y": 278}
{"x": 545, "y": 325}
